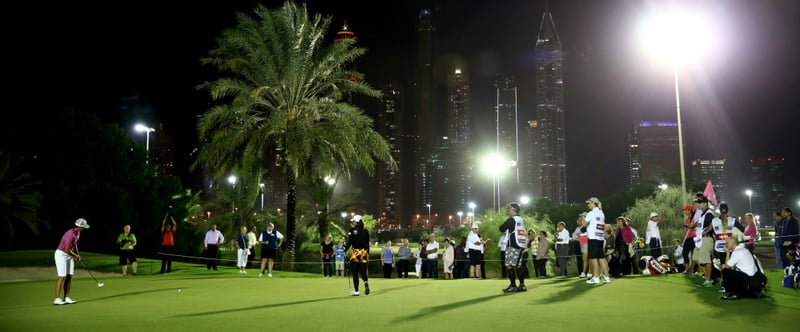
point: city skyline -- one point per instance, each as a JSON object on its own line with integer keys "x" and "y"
{"x": 737, "y": 106}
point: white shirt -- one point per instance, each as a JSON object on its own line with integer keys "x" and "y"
{"x": 652, "y": 230}
{"x": 431, "y": 246}
{"x": 742, "y": 260}
{"x": 503, "y": 243}
{"x": 213, "y": 237}
{"x": 472, "y": 238}
{"x": 678, "y": 254}
{"x": 597, "y": 224}
{"x": 563, "y": 237}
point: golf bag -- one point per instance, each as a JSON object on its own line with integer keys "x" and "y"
{"x": 652, "y": 266}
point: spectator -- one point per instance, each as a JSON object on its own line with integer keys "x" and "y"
{"x": 688, "y": 237}
{"x": 777, "y": 217}
{"x": 739, "y": 272}
{"x": 722, "y": 228}
{"x": 127, "y": 242}
{"x": 562, "y": 248}
{"x": 418, "y": 257}
{"x": 253, "y": 239}
{"x": 750, "y": 232}
{"x": 211, "y": 244}
{"x": 623, "y": 242}
{"x": 653, "y": 235}
{"x": 608, "y": 246}
{"x": 533, "y": 245}
{"x": 387, "y": 256}
{"x": 542, "y": 254}
{"x": 677, "y": 255}
{"x": 432, "y": 259}
{"x": 339, "y": 249}
{"x": 704, "y": 247}
{"x": 579, "y": 236}
{"x": 270, "y": 241}
{"x": 462, "y": 260}
{"x": 403, "y": 259}
{"x": 790, "y": 234}
{"x": 242, "y": 243}
{"x": 326, "y": 251}
{"x": 65, "y": 256}
{"x": 475, "y": 251}
{"x": 167, "y": 243}
{"x": 595, "y": 223}
{"x": 448, "y": 258}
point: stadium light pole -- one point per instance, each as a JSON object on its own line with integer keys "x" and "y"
{"x": 459, "y": 213}
{"x": 749, "y": 194}
{"x": 145, "y": 129}
{"x": 674, "y": 36}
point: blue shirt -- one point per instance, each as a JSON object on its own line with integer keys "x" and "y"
{"x": 339, "y": 253}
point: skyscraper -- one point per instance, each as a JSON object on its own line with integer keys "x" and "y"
{"x": 507, "y": 146}
{"x": 768, "y": 178}
{"x": 389, "y": 181}
{"x": 716, "y": 171}
{"x": 547, "y": 129}
{"x": 460, "y": 156}
{"x": 652, "y": 147}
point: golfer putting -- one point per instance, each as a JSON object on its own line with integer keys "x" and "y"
{"x": 65, "y": 256}
{"x": 358, "y": 241}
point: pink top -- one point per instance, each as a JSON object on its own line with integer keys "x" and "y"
{"x": 690, "y": 232}
{"x": 70, "y": 238}
{"x": 750, "y": 231}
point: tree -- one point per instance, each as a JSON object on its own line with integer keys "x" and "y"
{"x": 20, "y": 199}
{"x": 283, "y": 99}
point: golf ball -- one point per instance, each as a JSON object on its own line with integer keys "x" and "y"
{"x": 179, "y": 290}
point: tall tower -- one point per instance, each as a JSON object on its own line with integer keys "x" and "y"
{"x": 652, "y": 148}
{"x": 507, "y": 137}
{"x": 460, "y": 156}
{"x": 549, "y": 155}
{"x": 768, "y": 175}
{"x": 428, "y": 119}
{"x": 389, "y": 183}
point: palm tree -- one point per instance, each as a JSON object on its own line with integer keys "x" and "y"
{"x": 20, "y": 200}
{"x": 283, "y": 99}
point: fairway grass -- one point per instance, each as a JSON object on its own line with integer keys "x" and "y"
{"x": 228, "y": 301}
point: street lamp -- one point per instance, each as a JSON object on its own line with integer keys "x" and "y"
{"x": 524, "y": 200}
{"x": 459, "y": 213}
{"x": 749, "y": 194}
{"x": 675, "y": 37}
{"x": 261, "y": 188}
{"x": 145, "y": 129}
{"x": 471, "y": 217}
{"x": 472, "y": 206}
{"x": 344, "y": 215}
{"x": 232, "y": 181}
{"x": 429, "y": 211}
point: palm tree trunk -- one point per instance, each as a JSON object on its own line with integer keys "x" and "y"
{"x": 291, "y": 205}
{"x": 322, "y": 224}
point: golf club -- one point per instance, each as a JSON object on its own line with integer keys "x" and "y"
{"x": 99, "y": 284}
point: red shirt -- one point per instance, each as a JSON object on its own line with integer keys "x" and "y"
{"x": 690, "y": 232}
{"x": 168, "y": 238}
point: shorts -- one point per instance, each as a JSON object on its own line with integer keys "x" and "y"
{"x": 475, "y": 257}
{"x": 585, "y": 248}
{"x": 269, "y": 253}
{"x": 64, "y": 264}
{"x": 513, "y": 257}
{"x": 339, "y": 265}
{"x": 705, "y": 251}
{"x": 596, "y": 249}
{"x": 126, "y": 256}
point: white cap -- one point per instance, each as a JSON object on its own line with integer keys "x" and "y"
{"x": 81, "y": 223}
{"x": 653, "y": 214}
{"x": 356, "y": 218}
{"x": 474, "y": 226}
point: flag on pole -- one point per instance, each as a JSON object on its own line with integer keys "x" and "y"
{"x": 709, "y": 193}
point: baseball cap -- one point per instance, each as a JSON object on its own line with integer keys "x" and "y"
{"x": 474, "y": 226}
{"x": 702, "y": 199}
{"x": 593, "y": 200}
{"x": 81, "y": 223}
{"x": 687, "y": 208}
{"x": 514, "y": 206}
{"x": 723, "y": 207}
{"x": 653, "y": 214}
{"x": 357, "y": 218}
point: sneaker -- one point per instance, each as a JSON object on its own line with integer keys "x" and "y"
{"x": 261, "y": 275}
{"x": 607, "y": 279}
{"x": 593, "y": 280}
{"x": 366, "y": 289}
{"x": 589, "y": 276}
{"x": 269, "y": 275}
{"x": 722, "y": 289}
{"x": 522, "y": 288}
{"x": 706, "y": 284}
{"x": 583, "y": 275}
{"x": 510, "y": 289}
{"x": 68, "y": 300}
{"x": 59, "y": 301}
{"x": 354, "y": 293}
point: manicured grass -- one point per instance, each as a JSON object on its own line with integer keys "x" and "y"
{"x": 228, "y": 301}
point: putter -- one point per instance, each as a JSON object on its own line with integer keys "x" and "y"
{"x": 99, "y": 284}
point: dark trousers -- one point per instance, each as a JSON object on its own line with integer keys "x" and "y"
{"x": 688, "y": 246}
{"x": 535, "y": 266}
{"x": 541, "y": 267}
{"x": 433, "y": 270}
{"x": 211, "y": 257}
{"x": 576, "y": 251}
{"x": 359, "y": 269}
{"x": 251, "y": 257}
{"x": 738, "y": 283}
{"x": 562, "y": 253}
{"x": 327, "y": 266}
{"x": 655, "y": 248}
{"x": 503, "y": 263}
{"x": 166, "y": 259}
{"x": 387, "y": 270}
{"x": 402, "y": 268}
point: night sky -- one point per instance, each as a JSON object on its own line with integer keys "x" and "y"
{"x": 738, "y": 102}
